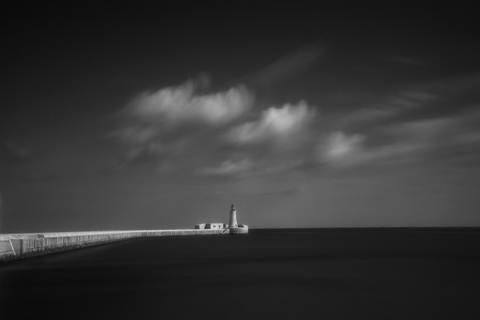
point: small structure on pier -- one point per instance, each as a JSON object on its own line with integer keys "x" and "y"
{"x": 213, "y": 226}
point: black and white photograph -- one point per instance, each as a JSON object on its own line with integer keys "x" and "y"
{"x": 240, "y": 160}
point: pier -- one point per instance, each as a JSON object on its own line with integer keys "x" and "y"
{"x": 26, "y": 245}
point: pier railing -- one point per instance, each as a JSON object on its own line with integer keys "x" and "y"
{"x": 19, "y": 246}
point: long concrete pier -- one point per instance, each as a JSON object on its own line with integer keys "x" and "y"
{"x": 21, "y": 246}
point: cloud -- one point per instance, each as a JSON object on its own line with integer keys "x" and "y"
{"x": 442, "y": 137}
{"x": 175, "y": 105}
{"x": 450, "y": 87}
{"x": 184, "y": 130}
{"x": 275, "y": 125}
{"x": 390, "y": 108}
{"x": 265, "y": 165}
{"x": 238, "y": 149}
{"x": 340, "y": 148}
{"x": 156, "y": 125}
{"x": 229, "y": 167}
{"x": 427, "y": 141}
{"x": 440, "y": 98}
{"x": 151, "y": 116}
{"x": 143, "y": 154}
{"x": 421, "y": 123}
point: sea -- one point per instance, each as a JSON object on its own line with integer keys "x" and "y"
{"x": 358, "y": 273}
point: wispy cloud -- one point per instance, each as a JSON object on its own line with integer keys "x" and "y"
{"x": 184, "y": 129}
{"x": 450, "y": 87}
{"x": 420, "y": 123}
{"x": 441, "y": 97}
{"x": 228, "y": 167}
{"x": 340, "y": 148}
{"x": 440, "y": 138}
{"x": 287, "y": 66}
{"x": 391, "y": 108}
{"x": 421, "y": 141}
{"x": 277, "y": 125}
{"x": 220, "y": 130}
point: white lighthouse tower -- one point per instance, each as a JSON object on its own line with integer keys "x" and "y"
{"x": 233, "y": 226}
{"x": 233, "y": 218}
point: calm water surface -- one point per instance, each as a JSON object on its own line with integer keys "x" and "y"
{"x": 282, "y": 274}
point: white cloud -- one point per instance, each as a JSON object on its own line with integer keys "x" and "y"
{"x": 174, "y": 105}
{"x": 340, "y": 148}
{"x": 165, "y": 117}
{"x": 275, "y": 124}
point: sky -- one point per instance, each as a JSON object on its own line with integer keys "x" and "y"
{"x": 302, "y": 117}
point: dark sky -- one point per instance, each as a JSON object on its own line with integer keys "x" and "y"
{"x": 161, "y": 117}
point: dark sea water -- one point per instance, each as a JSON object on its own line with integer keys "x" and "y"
{"x": 269, "y": 274}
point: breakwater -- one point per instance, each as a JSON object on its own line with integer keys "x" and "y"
{"x": 21, "y": 246}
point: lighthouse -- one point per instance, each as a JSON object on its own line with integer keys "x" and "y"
{"x": 233, "y": 218}
{"x": 233, "y": 227}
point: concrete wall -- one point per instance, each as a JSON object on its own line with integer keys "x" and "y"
{"x": 20, "y": 246}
